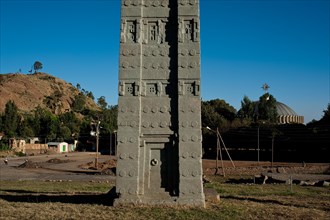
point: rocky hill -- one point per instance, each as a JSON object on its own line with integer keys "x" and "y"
{"x": 40, "y": 89}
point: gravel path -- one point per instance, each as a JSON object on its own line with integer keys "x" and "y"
{"x": 68, "y": 170}
{"x": 66, "y": 167}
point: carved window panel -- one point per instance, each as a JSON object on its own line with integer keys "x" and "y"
{"x": 152, "y": 89}
{"x": 188, "y": 30}
{"x": 131, "y": 31}
{"x": 189, "y": 88}
{"x": 129, "y": 88}
{"x": 153, "y": 32}
{"x": 156, "y": 32}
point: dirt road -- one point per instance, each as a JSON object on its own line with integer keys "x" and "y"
{"x": 55, "y": 167}
{"x": 74, "y": 167}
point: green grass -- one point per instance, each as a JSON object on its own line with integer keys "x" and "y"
{"x": 18, "y": 200}
{"x": 49, "y": 187}
{"x": 269, "y": 190}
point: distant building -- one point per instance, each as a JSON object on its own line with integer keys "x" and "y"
{"x": 286, "y": 115}
{"x": 33, "y": 140}
{"x": 60, "y": 147}
{"x": 20, "y": 145}
{"x": 16, "y": 143}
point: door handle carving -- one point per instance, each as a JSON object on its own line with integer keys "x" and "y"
{"x": 154, "y": 162}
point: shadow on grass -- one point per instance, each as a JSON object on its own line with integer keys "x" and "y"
{"x": 277, "y": 202}
{"x": 33, "y": 197}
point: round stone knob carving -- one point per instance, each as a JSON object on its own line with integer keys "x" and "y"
{"x": 122, "y": 191}
{"x": 122, "y": 173}
{"x": 192, "y": 2}
{"x": 122, "y": 156}
{"x": 154, "y": 109}
{"x": 156, "y": 3}
{"x": 163, "y": 65}
{"x": 123, "y": 140}
{"x": 162, "y": 109}
{"x": 194, "y": 124}
{"x": 146, "y": 53}
{"x": 154, "y": 52}
{"x": 125, "y": 64}
{"x": 194, "y": 173}
{"x": 133, "y": 124}
{"x": 146, "y": 66}
{"x": 131, "y": 173}
{"x": 147, "y": 3}
{"x": 163, "y": 52}
{"x": 125, "y": 53}
{"x": 193, "y": 65}
{"x": 184, "y": 64}
{"x": 194, "y": 138}
{"x": 135, "y": 2}
{"x": 134, "y": 52}
{"x": 185, "y": 155}
{"x": 132, "y": 191}
{"x": 127, "y": 2}
{"x": 184, "y": 52}
{"x": 132, "y": 140}
{"x": 184, "y": 138}
{"x": 194, "y": 155}
{"x": 154, "y": 162}
{"x": 163, "y": 124}
{"x": 155, "y": 65}
{"x": 183, "y": 2}
{"x": 145, "y": 124}
{"x": 164, "y": 3}
{"x": 192, "y": 52}
{"x": 154, "y": 124}
{"x": 146, "y": 109}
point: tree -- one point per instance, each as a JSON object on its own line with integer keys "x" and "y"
{"x": 79, "y": 102}
{"x": 64, "y": 133}
{"x": 37, "y": 66}
{"x": 326, "y": 116}
{"x": 11, "y": 119}
{"x": 109, "y": 118}
{"x": 90, "y": 95}
{"x": 266, "y": 108}
{"x": 102, "y": 103}
{"x": 25, "y": 128}
{"x": 217, "y": 113}
{"x": 45, "y": 124}
{"x": 53, "y": 125}
{"x": 247, "y": 110}
{"x": 70, "y": 125}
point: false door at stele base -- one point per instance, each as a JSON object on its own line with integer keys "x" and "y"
{"x": 161, "y": 169}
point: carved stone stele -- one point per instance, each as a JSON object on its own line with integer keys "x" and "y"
{"x": 159, "y": 109}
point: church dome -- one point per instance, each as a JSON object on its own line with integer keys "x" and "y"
{"x": 287, "y": 115}
{"x": 283, "y": 109}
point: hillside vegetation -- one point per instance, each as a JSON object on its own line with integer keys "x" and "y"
{"x": 41, "y": 105}
{"x": 40, "y": 89}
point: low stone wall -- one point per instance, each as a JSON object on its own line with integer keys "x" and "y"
{"x": 32, "y": 148}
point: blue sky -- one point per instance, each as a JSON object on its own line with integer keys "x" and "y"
{"x": 244, "y": 45}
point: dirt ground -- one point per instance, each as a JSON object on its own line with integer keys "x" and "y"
{"x": 81, "y": 166}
